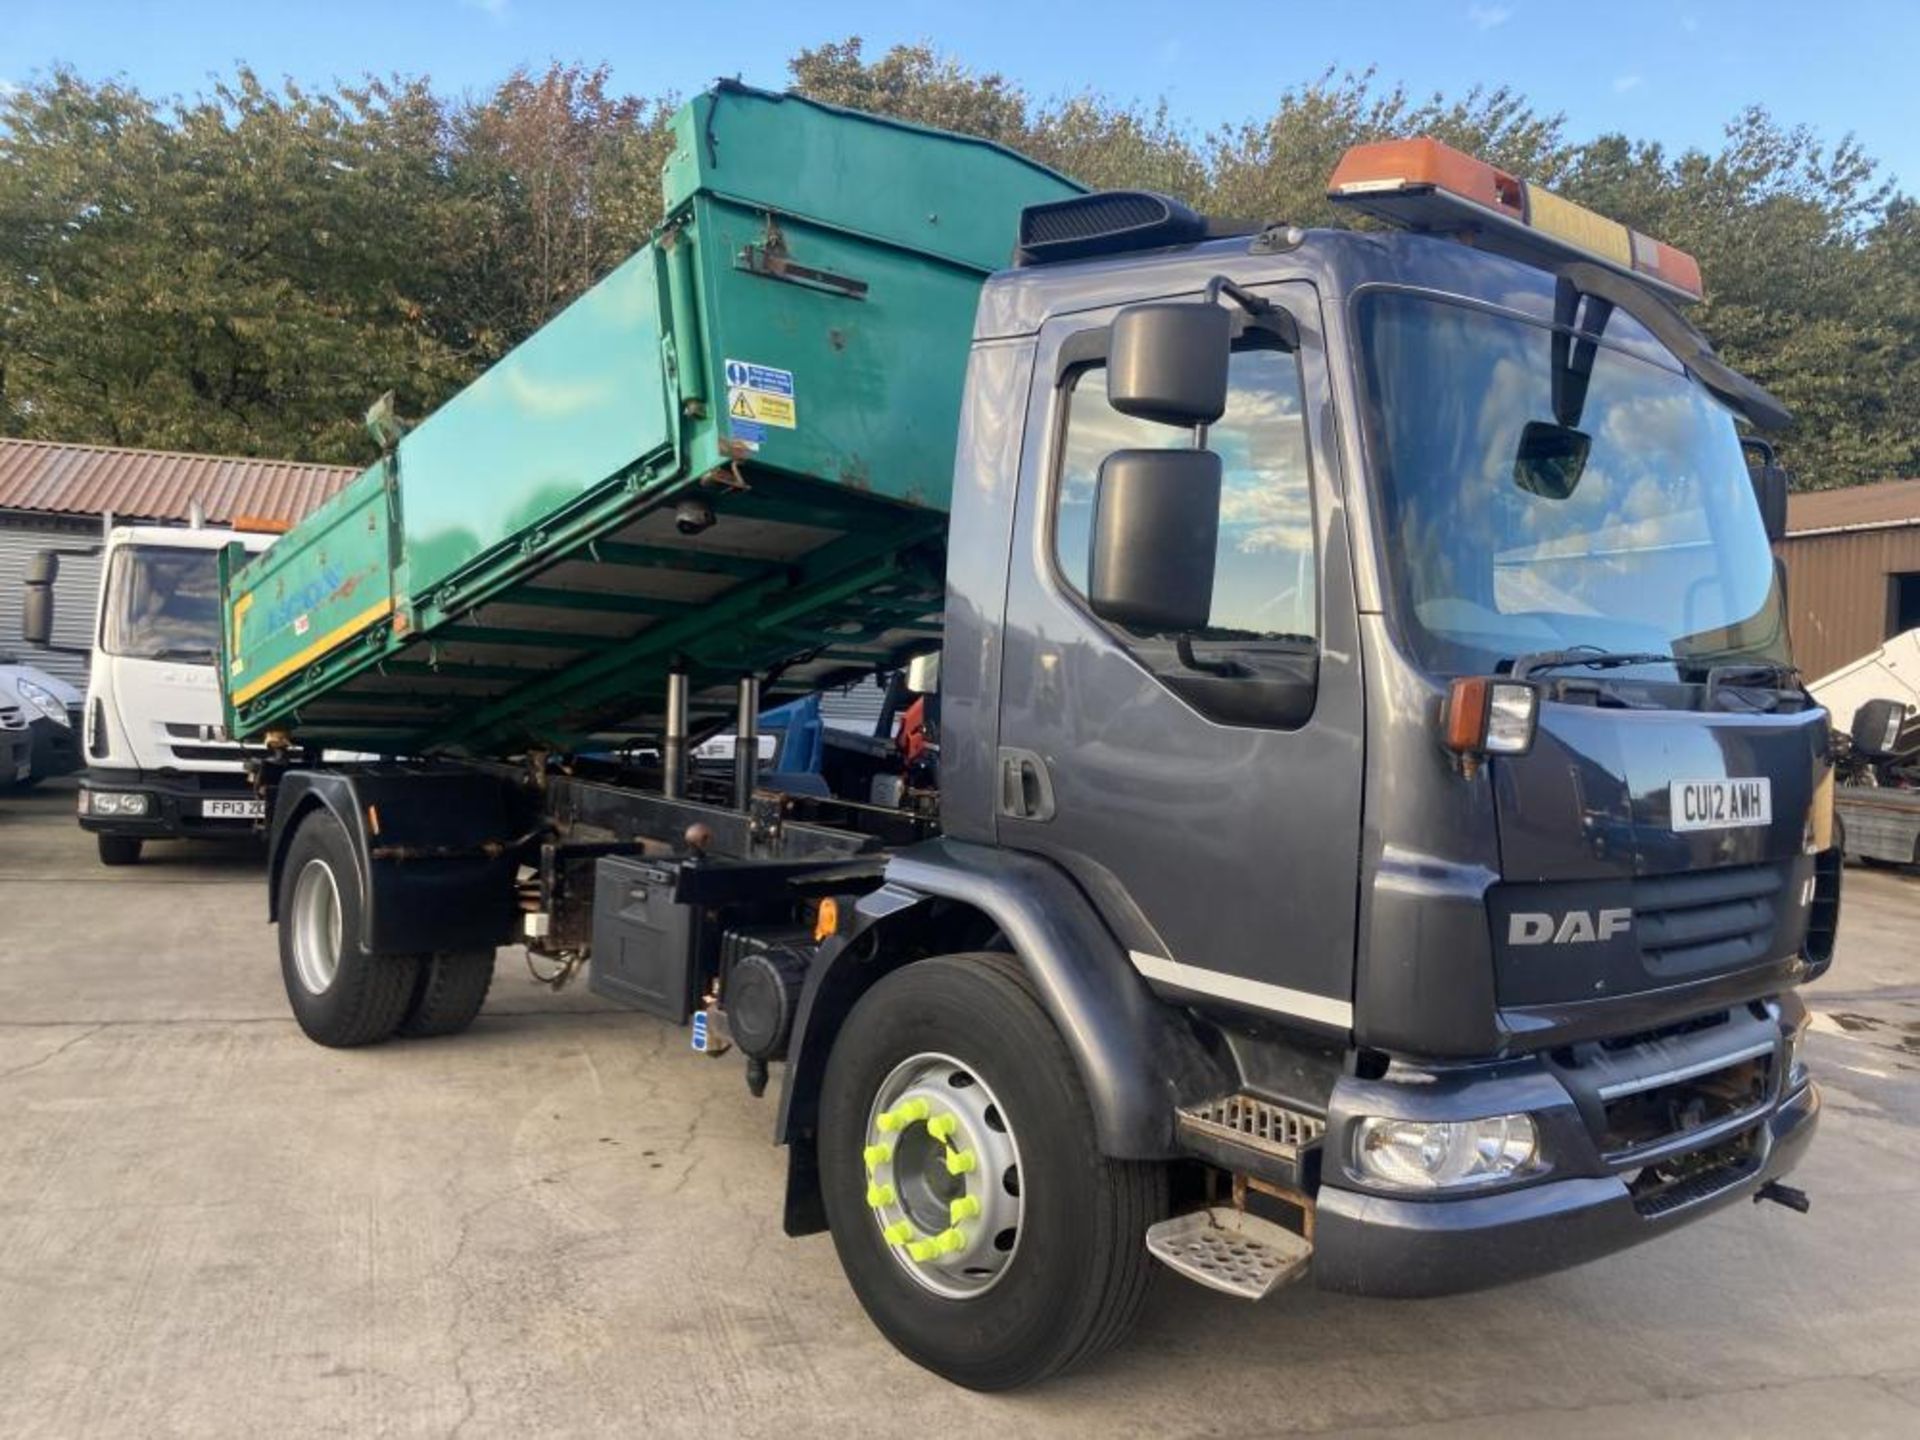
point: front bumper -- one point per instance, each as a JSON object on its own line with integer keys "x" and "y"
{"x": 16, "y": 757}
{"x": 1372, "y": 1245}
{"x": 56, "y": 748}
{"x": 1637, "y": 1136}
{"x": 173, "y": 807}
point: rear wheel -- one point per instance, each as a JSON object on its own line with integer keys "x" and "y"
{"x": 340, "y": 994}
{"x": 451, "y": 989}
{"x": 119, "y": 849}
{"x": 981, "y": 1227}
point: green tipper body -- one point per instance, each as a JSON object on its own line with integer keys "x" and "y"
{"x": 787, "y": 354}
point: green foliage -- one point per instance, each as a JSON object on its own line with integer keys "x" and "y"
{"x": 242, "y": 272}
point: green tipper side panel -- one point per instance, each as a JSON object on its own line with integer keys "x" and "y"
{"x": 788, "y": 352}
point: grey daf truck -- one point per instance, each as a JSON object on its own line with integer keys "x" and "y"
{"x": 1366, "y": 829}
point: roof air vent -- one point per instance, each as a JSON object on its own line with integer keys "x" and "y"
{"x": 1109, "y": 222}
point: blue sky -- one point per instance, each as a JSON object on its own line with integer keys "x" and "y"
{"x": 1674, "y": 71}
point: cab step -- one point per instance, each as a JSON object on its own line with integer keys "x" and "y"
{"x": 1230, "y": 1250}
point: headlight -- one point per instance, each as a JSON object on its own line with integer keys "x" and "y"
{"x": 113, "y": 802}
{"x": 42, "y": 699}
{"x": 1443, "y": 1154}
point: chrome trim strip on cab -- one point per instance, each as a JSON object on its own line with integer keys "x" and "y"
{"x": 1278, "y": 999}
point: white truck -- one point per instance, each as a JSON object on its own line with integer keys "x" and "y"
{"x": 1875, "y": 704}
{"x": 158, "y": 763}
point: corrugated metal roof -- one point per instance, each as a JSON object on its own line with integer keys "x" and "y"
{"x": 1893, "y": 502}
{"x": 158, "y": 484}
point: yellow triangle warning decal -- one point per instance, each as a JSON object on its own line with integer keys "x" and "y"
{"x": 742, "y": 407}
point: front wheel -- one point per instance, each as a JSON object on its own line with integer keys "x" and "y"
{"x": 980, "y": 1226}
{"x": 340, "y": 994}
{"x": 118, "y": 849}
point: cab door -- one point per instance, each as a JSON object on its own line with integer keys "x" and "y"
{"x": 1213, "y": 814}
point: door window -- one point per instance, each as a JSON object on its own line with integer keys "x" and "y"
{"x": 1263, "y": 583}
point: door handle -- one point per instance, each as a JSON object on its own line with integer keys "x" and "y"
{"x": 1026, "y": 789}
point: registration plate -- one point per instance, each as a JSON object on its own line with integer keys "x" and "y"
{"x": 234, "y": 809}
{"x": 1721, "y": 804}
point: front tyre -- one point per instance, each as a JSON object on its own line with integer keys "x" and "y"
{"x": 979, "y": 1224}
{"x": 340, "y": 994}
{"x": 118, "y": 849}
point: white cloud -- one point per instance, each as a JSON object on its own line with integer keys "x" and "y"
{"x": 1623, "y": 83}
{"x": 1488, "y": 17}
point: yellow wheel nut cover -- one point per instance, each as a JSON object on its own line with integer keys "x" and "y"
{"x": 922, "y": 1251}
{"x": 941, "y": 1127}
{"x": 902, "y": 1116}
{"x": 898, "y": 1233}
{"x": 950, "y": 1242}
{"x": 876, "y": 1155}
{"x": 878, "y": 1195}
{"x": 959, "y": 1162}
{"x": 967, "y": 1207}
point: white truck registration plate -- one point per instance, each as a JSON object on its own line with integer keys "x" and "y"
{"x": 234, "y": 809}
{"x": 1721, "y": 804}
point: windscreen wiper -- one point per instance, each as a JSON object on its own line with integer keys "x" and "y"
{"x": 1594, "y": 659}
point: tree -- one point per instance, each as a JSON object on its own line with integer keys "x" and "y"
{"x": 553, "y": 182}
{"x": 246, "y": 270}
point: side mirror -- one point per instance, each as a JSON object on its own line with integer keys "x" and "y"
{"x": 1551, "y": 459}
{"x": 1769, "y": 479}
{"x": 1156, "y": 523}
{"x": 36, "y": 601}
{"x": 1876, "y": 728}
{"x": 1167, "y": 362}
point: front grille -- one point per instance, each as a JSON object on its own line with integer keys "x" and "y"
{"x": 191, "y": 754}
{"x": 1639, "y": 1117}
{"x": 1707, "y": 920}
{"x": 1662, "y": 1189}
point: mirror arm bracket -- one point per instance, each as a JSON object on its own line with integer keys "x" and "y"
{"x": 1264, "y": 312}
{"x": 1226, "y": 669}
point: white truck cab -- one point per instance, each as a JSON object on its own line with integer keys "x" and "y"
{"x": 158, "y": 763}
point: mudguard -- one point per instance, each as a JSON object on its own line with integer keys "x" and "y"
{"x": 1138, "y": 1057}
{"x": 419, "y": 902}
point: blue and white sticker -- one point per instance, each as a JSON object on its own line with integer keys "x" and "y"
{"x": 700, "y": 1031}
{"x": 759, "y": 396}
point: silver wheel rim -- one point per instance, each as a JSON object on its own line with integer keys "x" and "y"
{"x": 316, "y": 927}
{"x": 943, "y": 1180}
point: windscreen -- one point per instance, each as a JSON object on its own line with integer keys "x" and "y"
{"x": 1646, "y": 539}
{"x": 163, "y": 603}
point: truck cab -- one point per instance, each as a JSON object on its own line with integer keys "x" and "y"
{"x": 1472, "y": 760}
{"x": 159, "y": 765}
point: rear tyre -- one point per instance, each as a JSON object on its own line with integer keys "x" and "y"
{"x": 449, "y": 993}
{"x": 1045, "y": 1264}
{"x": 341, "y": 995}
{"x": 119, "y": 849}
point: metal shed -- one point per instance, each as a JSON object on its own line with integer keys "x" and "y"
{"x": 1852, "y": 558}
{"x": 59, "y": 497}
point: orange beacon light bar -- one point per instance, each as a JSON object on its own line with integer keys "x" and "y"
{"x": 1425, "y": 185}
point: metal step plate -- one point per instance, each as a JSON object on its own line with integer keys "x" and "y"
{"x": 1230, "y": 1250}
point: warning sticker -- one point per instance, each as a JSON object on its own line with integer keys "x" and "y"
{"x": 760, "y": 395}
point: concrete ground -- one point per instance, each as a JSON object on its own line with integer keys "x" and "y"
{"x": 564, "y": 1223}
